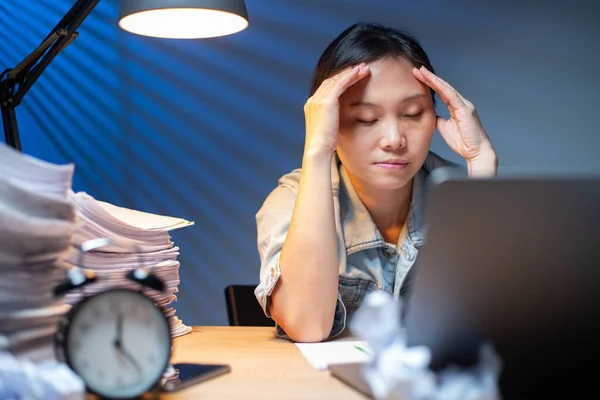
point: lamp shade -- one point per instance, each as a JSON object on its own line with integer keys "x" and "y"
{"x": 183, "y": 19}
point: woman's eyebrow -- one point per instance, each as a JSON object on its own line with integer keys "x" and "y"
{"x": 416, "y": 96}
{"x": 411, "y": 97}
{"x": 363, "y": 104}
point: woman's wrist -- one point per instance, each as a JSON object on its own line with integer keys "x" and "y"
{"x": 484, "y": 165}
{"x": 317, "y": 155}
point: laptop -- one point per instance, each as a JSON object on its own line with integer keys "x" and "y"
{"x": 514, "y": 262}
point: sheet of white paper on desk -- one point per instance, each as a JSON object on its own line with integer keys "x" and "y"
{"x": 144, "y": 220}
{"x": 322, "y": 355}
{"x": 103, "y": 219}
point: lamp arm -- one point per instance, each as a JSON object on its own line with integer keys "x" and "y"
{"x": 16, "y": 82}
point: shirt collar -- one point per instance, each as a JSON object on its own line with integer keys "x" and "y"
{"x": 359, "y": 230}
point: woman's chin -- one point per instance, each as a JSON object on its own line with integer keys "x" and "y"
{"x": 390, "y": 183}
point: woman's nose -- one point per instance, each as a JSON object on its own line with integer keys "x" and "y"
{"x": 393, "y": 138}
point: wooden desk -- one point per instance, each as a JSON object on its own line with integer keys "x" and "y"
{"x": 262, "y": 367}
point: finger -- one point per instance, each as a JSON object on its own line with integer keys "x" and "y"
{"x": 447, "y": 93}
{"x": 344, "y": 83}
{"x": 433, "y": 77}
{"x": 436, "y": 86}
{"x": 450, "y": 88}
{"x": 441, "y": 124}
{"x": 337, "y": 84}
{"x": 328, "y": 83}
{"x": 467, "y": 102}
{"x": 419, "y": 75}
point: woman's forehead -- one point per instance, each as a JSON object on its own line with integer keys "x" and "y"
{"x": 390, "y": 80}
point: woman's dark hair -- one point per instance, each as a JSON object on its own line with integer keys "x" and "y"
{"x": 365, "y": 43}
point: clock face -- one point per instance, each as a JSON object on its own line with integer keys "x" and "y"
{"x": 119, "y": 343}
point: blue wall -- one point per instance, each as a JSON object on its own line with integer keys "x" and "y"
{"x": 202, "y": 129}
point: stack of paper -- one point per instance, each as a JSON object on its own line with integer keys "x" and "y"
{"x": 37, "y": 222}
{"x": 137, "y": 239}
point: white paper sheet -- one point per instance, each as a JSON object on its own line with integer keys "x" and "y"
{"x": 322, "y": 355}
{"x": 144, "y": 220}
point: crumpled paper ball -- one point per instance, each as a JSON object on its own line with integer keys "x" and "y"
{"x": 21, "y": 379}
{"x": 396, "y": 371}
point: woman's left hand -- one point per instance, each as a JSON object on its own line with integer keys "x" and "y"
{"x": 463, "y": 131}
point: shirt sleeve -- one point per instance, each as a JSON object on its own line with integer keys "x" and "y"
{"x": 273, "y": 222}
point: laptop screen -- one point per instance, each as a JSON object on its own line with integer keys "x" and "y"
{"x": 515, "y": 262}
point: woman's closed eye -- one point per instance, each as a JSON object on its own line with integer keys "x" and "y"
{"x": 366, "y": 121}
{"x": 415, "y": 115}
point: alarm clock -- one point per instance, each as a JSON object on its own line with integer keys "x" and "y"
{"x": 118, "y": 341}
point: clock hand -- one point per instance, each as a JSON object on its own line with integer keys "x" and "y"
{"x": 119, "y": 339}
{"x": 119, "y": 344}
{"x": 131, "y": 359}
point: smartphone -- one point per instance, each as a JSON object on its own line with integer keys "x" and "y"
{"x": 191, "y": 373}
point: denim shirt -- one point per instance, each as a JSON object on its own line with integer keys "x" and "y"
{"x": 365, "y": 261}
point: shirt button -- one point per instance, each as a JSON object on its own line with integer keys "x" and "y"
{"x": 387, "y": 252}
{"x": 272, "y": 272}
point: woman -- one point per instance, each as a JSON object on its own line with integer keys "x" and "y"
{"x": 349, "y": 221}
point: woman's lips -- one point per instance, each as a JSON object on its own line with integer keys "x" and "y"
{"x": 392, "y": 165}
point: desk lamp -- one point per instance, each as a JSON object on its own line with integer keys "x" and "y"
{"x": 177, "y": 19}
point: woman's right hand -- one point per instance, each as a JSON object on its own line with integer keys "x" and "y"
{"x": 322, "y": 110}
